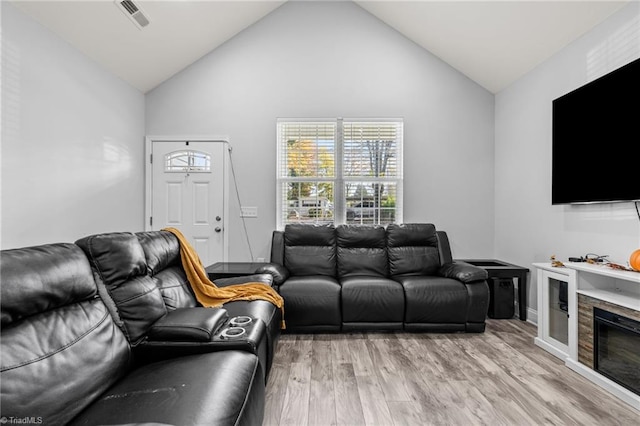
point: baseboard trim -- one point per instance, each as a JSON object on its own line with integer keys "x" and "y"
{"x": 551, "y": 349}
{"x": 532, "y": 315}
{"x": 612, "y": 387}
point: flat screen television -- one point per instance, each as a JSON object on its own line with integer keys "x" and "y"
{"x": 596, "y": 140}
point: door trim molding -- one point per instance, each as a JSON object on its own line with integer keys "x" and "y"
{"x": 148, "y": 178}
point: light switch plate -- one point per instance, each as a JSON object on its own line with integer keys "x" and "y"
{"x": 249, "y": 212}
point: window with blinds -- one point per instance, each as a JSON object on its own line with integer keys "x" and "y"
{"x": 339, "y": 171}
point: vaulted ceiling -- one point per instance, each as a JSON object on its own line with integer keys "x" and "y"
{"x": 492, "y": 42}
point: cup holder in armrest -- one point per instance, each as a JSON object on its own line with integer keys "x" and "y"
{"x": 238, "y": 328}
{"x": 240, "y": 321}
{"x": 233, "y": 332}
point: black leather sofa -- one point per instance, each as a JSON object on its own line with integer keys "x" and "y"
{"x": 375, "y": 278}
{"x": 112, "y": 335}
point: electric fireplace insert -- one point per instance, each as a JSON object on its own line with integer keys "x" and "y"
{"x": 616, "y": 349}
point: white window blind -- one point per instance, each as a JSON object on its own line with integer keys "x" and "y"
{"x": 372, "y": 171}
{"x": 342, "y": 171}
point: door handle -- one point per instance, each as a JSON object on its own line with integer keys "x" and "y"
{"x": 218, "y": 229}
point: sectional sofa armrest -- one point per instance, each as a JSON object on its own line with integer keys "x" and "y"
{"x": 255, "y": 278}
{"x": 463, "y": 271}
{"x": 188, "y": 325}
{"x": 253, "y": 341}
{"x": 279, "y": 273}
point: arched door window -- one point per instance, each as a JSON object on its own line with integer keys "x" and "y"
{"x": 187, "y": 161}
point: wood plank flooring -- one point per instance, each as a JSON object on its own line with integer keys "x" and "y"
{"x": 495, "y": 378}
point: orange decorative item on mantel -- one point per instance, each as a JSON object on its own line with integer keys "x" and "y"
{"x": 555, "y": 262}
{"x": 634, "y": 260}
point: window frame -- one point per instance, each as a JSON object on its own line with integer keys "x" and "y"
{"x": 340, "y": 178}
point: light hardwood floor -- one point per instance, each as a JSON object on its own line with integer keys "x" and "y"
{"x": 495, "y": 378}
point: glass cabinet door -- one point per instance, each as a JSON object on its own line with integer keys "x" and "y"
{"x": 558, "y": 309}
{"x": 553, "y": 311}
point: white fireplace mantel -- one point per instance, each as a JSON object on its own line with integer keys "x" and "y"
{"x": 611, "y": 285}
{"x": 600, "y": 282}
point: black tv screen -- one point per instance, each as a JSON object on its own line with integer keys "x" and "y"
{"x": 596, "y": 140}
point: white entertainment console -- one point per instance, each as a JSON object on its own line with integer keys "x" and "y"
{"x": 558, "y": 326}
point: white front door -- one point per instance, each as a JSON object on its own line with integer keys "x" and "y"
{"x": 188, "y": 193}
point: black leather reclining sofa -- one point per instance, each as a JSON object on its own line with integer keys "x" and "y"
{"x": 107, "y": 331}
{"x": 375, "y": 278}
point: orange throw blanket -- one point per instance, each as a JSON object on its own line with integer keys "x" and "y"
{"x": 210, "y": 295}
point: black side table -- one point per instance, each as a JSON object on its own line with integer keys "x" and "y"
{"x": 232, "y": 269}
{"x": 499, "y": 269}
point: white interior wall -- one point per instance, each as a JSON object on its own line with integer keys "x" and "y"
{"x": 72, "y": 141}
{"x": 527, "y": 227}
{"x": 333, "y": 59}
{"x": 72, "y": 134}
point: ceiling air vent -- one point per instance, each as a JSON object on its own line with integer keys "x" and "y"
{"x": 134, "y": 12}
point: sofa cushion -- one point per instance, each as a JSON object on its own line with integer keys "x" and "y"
{"x": 372, "y": 299}
{"x": 311, "y": 300}
{"x": 219, "y": 388}
{"x": 310, "y": 249}
{"x": 412, "y": 249}
{"x": 434, "y": 300}
{"x": 162, "y": 253}
{"x": 362, "y": 250}
{"x": 175, "y": 288}
{"x": 60, "y": 347}
{"x": 161, "y": 250}
{"x": 48, "y": 277}
{"x": 117, "y": 257}
{"x": 119, "y": 261}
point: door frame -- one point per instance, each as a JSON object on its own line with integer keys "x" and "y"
{"x": 148, "y": 179}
